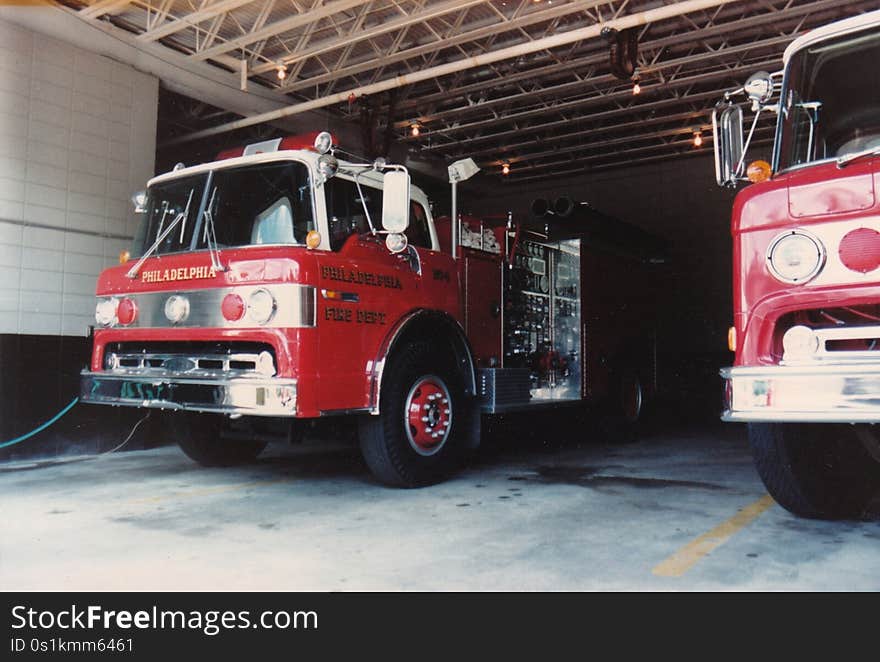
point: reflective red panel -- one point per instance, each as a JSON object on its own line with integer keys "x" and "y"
{"x": 860, "y": 250}
{"x": 232, "y": 307}
{"x": 126, "y": 312}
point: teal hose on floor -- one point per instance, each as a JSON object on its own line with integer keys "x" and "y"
{"x": 42, "y": 427}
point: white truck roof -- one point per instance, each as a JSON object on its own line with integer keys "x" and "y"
{"x": 847, "y": 25}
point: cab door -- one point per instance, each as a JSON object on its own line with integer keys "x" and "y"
{"x": 363, "y": 290}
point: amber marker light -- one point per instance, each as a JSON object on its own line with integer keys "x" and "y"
{"x": 313, "y": 239}
{"x": 124, "y": 256}
{"x": 758, "y": 171}
{"x": 731, "y": 339}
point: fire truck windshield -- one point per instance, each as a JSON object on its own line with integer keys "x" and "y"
{"x": 830, "y": 104}
{"x": 268, "y": 203}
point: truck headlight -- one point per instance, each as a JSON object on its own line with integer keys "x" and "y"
{"x": 261, "y": 306}
{"x": 795, "y": 256}
{"x": 176, "y": 308}
{"x": 105, "y": 311}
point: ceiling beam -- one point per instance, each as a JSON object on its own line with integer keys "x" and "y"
{"x": 192, "y": 20}
{"x": 741, "y": 26}
{"x": 573, "y": 86}
{"x": 553, "y": 41}
{"x": 476, "y": 34}
{"x": 518, "y": 132}
{"x": 515, "y": 148}
{"x": 599, "y": 144}
{"x": 604, "y": 98}
{"x": 403, "y": 22}
{"x": 556, "y": 174}
{"x": 316, "y": 13}
{"x": 102, "y": 7}
{"x": 759, "y": 133}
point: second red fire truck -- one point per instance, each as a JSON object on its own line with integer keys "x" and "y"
{"x": 807, "y": 272}
{"x": 279, "y": 284}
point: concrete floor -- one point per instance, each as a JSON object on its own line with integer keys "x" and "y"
{"x": 663, "y": 514}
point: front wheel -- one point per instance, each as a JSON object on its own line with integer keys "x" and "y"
{"x": 820, "y": 471}
{"x": 417, "y": 438}
{"x": 207, "y": 439}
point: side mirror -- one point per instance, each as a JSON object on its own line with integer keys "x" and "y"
{"x": 759, "y": 88}
{"x": 727, "y": 138}
{"x": 395, "y": 201}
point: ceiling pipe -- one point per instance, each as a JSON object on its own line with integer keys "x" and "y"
{"x": 553, "y": 41}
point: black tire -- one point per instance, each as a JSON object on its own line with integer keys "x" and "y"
{"x": 818, "y": 471}
{"x": 399, "y": 453}
{"x": 623, "y": 408}
{"x": 203, "y": 438}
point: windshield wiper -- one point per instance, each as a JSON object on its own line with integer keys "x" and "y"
{"x": 846, "y": 159}
{"x": 133, "y": 272}
{"x": 209, "y": 236}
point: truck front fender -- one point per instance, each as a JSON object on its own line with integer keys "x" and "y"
{"x": 424, "y": 324}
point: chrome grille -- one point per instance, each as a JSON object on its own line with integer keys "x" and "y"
{"x": 242, "y": 364}
{"x": 841, "y": 345}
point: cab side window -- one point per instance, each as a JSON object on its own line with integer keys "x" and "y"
{"x": 345, "y": 210}
{"x": 418, "y": 234}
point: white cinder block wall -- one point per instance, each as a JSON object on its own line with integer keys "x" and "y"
{"x": 77, "y": 138}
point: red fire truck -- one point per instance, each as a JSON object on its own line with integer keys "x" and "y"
{"x": 806, "y": 254}
{"x": 280, "y": 283}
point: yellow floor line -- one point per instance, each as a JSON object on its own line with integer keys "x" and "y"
{"x": 210, "y": 490}
{"x": 680, "y": 562}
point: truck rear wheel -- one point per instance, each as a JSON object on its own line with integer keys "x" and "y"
{"x": 415, "y": 440}
{"x": 204, "y": 438}
{"x": 820, "y": 471}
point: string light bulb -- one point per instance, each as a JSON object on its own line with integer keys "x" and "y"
{"x": 698, "y": 139}
{"x": 281, "y": 72}
{"x": 637, "y": 89}
{"x": 505, "y": 168}
{"x": 414, "y": 129}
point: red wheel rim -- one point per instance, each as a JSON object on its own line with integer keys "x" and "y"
{"x": 428, "y": 415}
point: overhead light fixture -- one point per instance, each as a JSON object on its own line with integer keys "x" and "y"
{"x": 414, "y": 129}
{"x": 637, "y": 89}
{"x": 281, "y": 72}
{"x": 505, "y": 168}
{"x": 698, "y": 139}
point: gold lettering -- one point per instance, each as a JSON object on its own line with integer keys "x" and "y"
{"x": 180, "y": 273}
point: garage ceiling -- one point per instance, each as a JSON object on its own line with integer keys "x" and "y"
{"x": 528, "y": 83}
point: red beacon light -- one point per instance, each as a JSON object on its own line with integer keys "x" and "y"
{"x": 313, "y": 141}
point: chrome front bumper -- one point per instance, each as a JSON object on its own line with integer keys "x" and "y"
{"x": 810, "y": 394}
{"x": 251, "y": 396}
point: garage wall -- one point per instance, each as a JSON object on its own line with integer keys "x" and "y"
{"x": 79, "y": 136}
